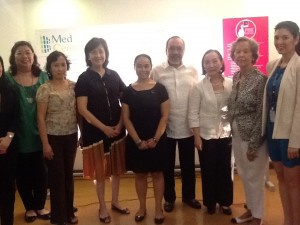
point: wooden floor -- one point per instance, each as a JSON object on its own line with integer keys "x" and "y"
{"x": 86, "y": 201}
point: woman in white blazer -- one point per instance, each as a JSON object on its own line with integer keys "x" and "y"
{"x": 209, "y": 121}
{"x": 281, "y": 118}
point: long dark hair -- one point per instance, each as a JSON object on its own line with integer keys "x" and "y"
{"x": 35, "y": 69}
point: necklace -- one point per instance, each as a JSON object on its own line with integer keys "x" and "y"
{"x": 28, "y": 91}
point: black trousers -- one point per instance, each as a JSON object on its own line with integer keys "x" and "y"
{"x": 32, "y": 180}
{"x": 216, "y": 172}
{"x": 60, "y": 172}
{"x": 187, "y": 165}
{"x": 7, "y": 186}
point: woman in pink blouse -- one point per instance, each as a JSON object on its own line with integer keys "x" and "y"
{"x": 57, "y": 124}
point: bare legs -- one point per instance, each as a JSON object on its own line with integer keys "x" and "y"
{"x": 100, "y": 188}
{"x": 289, "y": 183}
{"x": 141, "y": 189}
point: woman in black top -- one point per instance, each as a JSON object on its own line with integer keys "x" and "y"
{"x": 98, "y": 91}
{"x": 8, "y": 120}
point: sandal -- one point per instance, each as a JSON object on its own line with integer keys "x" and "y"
{"x": 105, "y": 219}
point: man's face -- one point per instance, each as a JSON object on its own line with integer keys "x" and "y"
{"x": 175, "y": 51}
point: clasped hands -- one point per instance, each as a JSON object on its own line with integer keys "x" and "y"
{"x": 147, "y": 144}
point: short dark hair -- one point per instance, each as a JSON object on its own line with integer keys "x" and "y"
{"x": 52, "y": 57}
{"x": 142, "y": 55}
{"x": 91, "y": 45}
{"x": 219, "y": 56}
{"x": 35, "y": 69}
{"x": 174, "y": 37}
{"x": 253, "y": 47}
{"x": 291, "y": 26}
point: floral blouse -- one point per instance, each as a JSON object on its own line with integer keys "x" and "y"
{"x": 61, "y": 111}
{"x": 245, "y": 106}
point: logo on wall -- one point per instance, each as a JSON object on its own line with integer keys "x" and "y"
{"x": 245, "y": 28}
{"x": 55, "y": 42}
{"x": 45, "y": 44}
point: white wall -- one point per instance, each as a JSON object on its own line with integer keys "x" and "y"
{"x": 19, "y": 19}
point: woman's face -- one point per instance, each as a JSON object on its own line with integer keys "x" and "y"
{"x": 212, "y": 64}
{"x": 284, "y": 41}
{"x": 97, "y": 56}
{"x": 243, "y": 55}
{"x": 59, "y": 68}
{"x": 143, "y": 67}
{"x": 24, "y": 57}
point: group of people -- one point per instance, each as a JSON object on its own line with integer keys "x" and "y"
{"x": 166, "y": 108}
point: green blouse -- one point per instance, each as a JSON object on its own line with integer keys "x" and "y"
{"x": 27, "y": 133}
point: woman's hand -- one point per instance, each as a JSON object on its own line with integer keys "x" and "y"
{"x": 151, "y": 143}
{"x": 198, "y": 142}
{"x": 251, "y": 154}
{"x": 47, "y": 151}
{"x": 111, "y": 132}
{"x": 4, "y": 144}
{"x": 293, "y": 153}
{"x": 143, "y": 145}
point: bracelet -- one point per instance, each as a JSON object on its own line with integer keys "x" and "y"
{"x": 154, "y": 139}
{"x": 139, "y": 142}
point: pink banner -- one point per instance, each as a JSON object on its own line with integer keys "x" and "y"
{"x": 252, "y": 27}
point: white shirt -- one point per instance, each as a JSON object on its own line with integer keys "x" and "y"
{"x": 205, "y": 111}
{"x": 178, "y": 82}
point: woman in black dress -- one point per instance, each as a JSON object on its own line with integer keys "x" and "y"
{"x": 145, "y": 108}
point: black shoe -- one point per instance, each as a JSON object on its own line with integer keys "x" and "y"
{"x": 211, "y": 210}
{"x": 139, "y": 218}
{"x": 192, "y": 203}
{"x": 159, "y": 220}
{"x": 169, "y": 206}
{"x": 73, "y": 220}
{"x": 46, "y": 216}
{"x": 29, "y": 219}
{"x": 226, "y": 210}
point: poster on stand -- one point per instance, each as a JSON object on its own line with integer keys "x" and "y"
{"x": 251, "y": 27}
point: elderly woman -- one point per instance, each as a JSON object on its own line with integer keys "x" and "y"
{"x": 282, "y": 118}
{"x": 208, "y": 117}
{"x": 245, "y": 110}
